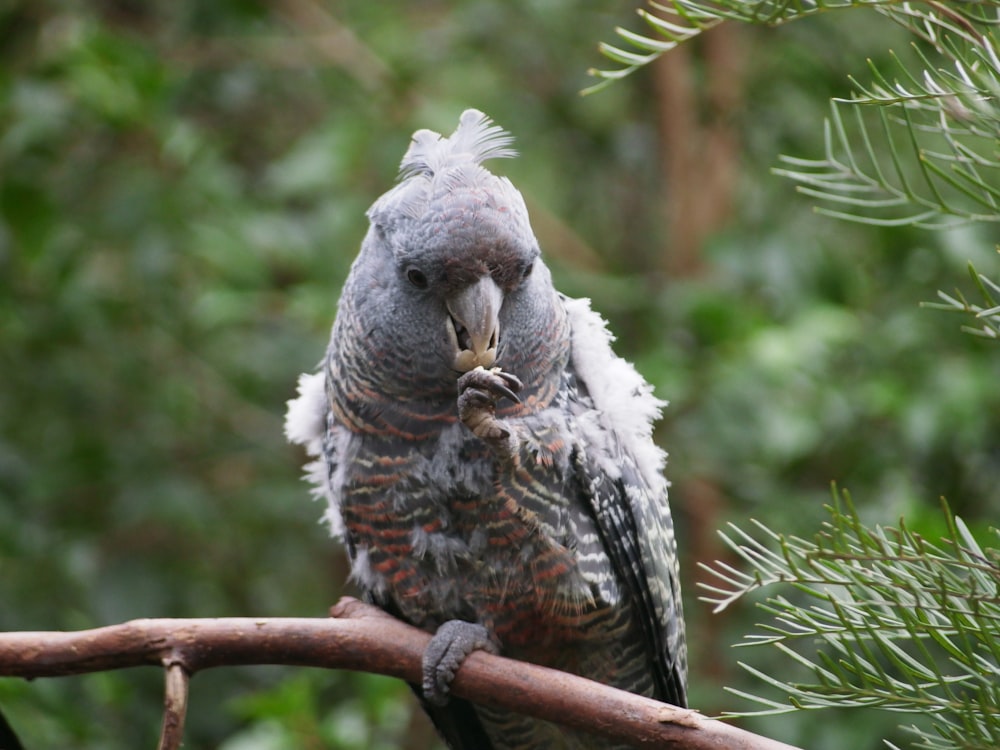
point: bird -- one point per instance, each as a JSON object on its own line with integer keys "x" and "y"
{"x": 486, "y": 458}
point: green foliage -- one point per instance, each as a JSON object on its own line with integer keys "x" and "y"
{"x": 915, "y": 150}
{"x": 182, "y": 190}
{"x": 927, "y": 156}
{"x": 877, "y": 617}
{"x": 303, "y": 712}
{"x": 987, "y": 316}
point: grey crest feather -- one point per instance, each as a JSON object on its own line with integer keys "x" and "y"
{"x": 436, "y": 166}
{"x": 475, "y": 140}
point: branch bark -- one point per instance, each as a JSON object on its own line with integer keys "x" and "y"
{"x": 363, "y": 638}
{"x": 175, "y": 702}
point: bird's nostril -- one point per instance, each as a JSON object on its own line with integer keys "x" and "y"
{"x": 462, "y": 334}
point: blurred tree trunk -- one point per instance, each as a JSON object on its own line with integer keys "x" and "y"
{"x": 699, "y": 90}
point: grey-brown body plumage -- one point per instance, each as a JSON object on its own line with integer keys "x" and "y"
{"x": 543, "y": 519}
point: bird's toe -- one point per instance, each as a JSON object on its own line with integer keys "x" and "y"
{"x": 449, "y": 647}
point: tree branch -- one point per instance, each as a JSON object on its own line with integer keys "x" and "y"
{"x": 175, "y": 702}
{"x": 363, "y": 638}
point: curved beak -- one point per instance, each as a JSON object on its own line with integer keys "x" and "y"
{"x": 474, "y": 324}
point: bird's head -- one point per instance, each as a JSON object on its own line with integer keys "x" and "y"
{"x": 451, "y": 261}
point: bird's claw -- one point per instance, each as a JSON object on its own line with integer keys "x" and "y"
{"x": 479, "y": 390}
{"x": 449, "y": 647}
{"x": 495, "y": 381}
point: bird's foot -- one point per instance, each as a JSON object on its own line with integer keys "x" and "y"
{"x": 479, "y": 390}
{"x": 449, "y": 647}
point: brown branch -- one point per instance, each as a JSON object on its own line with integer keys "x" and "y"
{"x": 361, "y": 637}
{"x": 175, "y": 701}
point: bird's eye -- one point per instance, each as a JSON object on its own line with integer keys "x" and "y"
{"x": 417, "y": 277}
{"x": 527, "y": 270}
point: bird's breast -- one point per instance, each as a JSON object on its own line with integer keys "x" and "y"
{"x": 447, "y": 533}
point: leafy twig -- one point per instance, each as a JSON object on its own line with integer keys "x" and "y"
{"x": 880, "y": 617}
{"x": 927, "y": 154}
{"x": 986, "y": 314}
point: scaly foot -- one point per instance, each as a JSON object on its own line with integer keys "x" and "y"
{"x": 449, "y": 647}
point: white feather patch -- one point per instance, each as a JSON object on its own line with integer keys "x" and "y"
{"x": 622, "y": 397}
{"x": 305, "y": 419}
{"x": 305, "y": 425}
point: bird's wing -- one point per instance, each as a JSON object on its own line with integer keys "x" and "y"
{"x": 622, "y": 472}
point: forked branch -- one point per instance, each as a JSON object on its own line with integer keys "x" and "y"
{"x": 363, "y": 638}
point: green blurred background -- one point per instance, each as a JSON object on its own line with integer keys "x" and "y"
{"x": 182, "y": 190}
